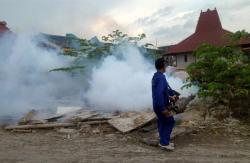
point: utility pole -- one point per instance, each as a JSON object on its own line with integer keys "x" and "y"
{"x": 156, "y": 47}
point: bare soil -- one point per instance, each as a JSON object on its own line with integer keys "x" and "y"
{"x": 44, "y": 146}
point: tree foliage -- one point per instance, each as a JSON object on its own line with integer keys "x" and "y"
{"x": 87, "y": 50}
{"x": 222, "y": 73}
{"x": 117, "y": 37}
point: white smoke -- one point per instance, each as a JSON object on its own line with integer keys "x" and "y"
{"x": 25, "y": 80}
{"x": 123, "y": 82}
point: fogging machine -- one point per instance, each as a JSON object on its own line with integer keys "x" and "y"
{"x": 173, "y": 105}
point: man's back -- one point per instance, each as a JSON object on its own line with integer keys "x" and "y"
{"x": 159, "y": 92}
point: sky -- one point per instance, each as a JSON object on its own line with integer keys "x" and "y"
{"x": 165, "y": 22}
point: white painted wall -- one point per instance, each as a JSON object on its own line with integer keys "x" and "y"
{"x": 181, "y": 64}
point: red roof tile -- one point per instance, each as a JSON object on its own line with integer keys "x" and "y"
{"x": 208, "y": 30}
{"x": 3, "y": 27}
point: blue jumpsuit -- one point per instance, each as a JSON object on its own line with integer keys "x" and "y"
{"x": 160, "y": 93}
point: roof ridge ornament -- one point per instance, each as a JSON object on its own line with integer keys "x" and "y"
{"x": 208, "y": 30}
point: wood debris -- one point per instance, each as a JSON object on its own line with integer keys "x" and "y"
{"x": 83, "y": 115}
{"x": 40, "y": 126}
{"x": 93, "y": 122}
{"x": 55, "y": 117}
{"x": 28, "y": 118}
{"x": 21, "y": 131}
{"x": 129, "y": 121}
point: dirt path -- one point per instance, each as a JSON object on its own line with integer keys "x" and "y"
{"x": 52, "y": 147}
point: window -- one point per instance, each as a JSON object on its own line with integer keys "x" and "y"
{"x": 185, "y": 58}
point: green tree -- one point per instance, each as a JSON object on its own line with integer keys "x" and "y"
{"x": 223, "y": 73}
{"x": 90, "y": 51}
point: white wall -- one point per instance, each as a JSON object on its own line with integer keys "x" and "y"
{"x": 181, "y": 64}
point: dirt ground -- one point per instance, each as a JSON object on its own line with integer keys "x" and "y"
{"x": 52, "y": 147}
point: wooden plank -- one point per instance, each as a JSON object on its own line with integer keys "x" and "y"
{"x": 84, "y": 115}
{"x": 93, "y": 122}
{"x": 68, "y": 109}
{"x": 54, "y": 117}
{"x": 129, "y": 121}
{"x": 98, "y": 119}
{"x": 40, "y": 126}
{"x": 64, "y": 111}
{"x": 22, "y": 131}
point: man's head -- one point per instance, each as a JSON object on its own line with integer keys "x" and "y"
{"x": 160, "y": 65}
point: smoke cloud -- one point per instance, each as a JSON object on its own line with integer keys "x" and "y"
{"x": 25, "y": 80}
{"x": 121, "y": 82}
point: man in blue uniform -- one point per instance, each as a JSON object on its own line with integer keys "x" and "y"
{"x": 161, "y": 92}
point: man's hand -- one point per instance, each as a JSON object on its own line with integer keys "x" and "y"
{"x": 167, "y": 113}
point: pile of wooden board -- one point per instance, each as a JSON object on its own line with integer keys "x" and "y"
{"x": 75, "y": 117}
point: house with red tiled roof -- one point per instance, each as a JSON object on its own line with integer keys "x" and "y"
{"x": 3, "y": 27}
{"x": 208, "y": 30}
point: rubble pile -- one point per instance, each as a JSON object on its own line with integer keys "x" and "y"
{"x": 70, "y": 121}
{"x": 82, "y": 120}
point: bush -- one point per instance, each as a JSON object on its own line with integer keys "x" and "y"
{"x": 223, "y": 73}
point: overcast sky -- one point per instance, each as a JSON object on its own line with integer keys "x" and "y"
{"x": 167, "y": 21}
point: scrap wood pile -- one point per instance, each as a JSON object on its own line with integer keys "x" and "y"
{"x": 83, "y": 120}
{"x": 77, "y": 120}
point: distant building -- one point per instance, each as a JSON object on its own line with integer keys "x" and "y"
{"x": 3, "y": 27}
{"x": 208, "y": 30}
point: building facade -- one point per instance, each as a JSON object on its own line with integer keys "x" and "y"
{"x": 208, "y": 30}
